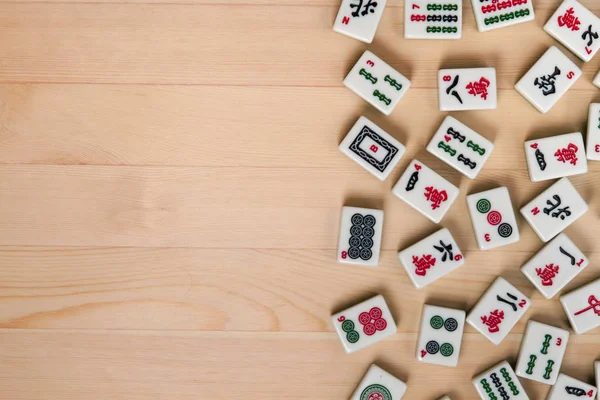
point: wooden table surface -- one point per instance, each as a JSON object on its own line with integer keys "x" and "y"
{"x": 171, "y": 187}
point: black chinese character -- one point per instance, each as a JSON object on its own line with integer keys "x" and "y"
{"x": 547, "y": 83}
{"x": 369, "y": 7}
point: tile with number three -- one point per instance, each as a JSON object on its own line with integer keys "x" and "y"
{"x": 441, "y": 335}
{"x": 364, "y": 324}
{"x": 593, "y": 133}
{"x": 360, "y": 236}
{"x": 432, "y": 19}
{"x": 376, "y": 82}
{"x": 501, "y": 13}
{"x": 467, "y": 89}
{"x": 359, "y": 19}
{"x": 567, "y": 388}
{"x": 542, "y": 351}
{"x": 556, "y": 156}
{"x": 499, "y": 382}
{"x": 378, "y": 384}
{"x": 583, "y": 307}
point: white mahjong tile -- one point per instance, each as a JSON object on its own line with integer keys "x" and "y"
{"x": 372, "y": 148}
{"x": 583, "y": 307}
{"x": 593, "y": 133}
{"x": 460, "y": 147}
{"x": 376, "y": 82}
{"x": 548, "y": 80}
{"x": 445, "y": 398}
{"x": 493, "y": 218}
{"x": 567, "y": 388}
{"x": 596, "y": 81}
{"x": 542, "y": 351}
{"x": 554, "y": 209}
{"x": 597, "y": 374}
{"x": 427, "y": 19}
{"x": 576, "y": 27}
{"x": 553, "y": 267}
{"x": 498, "y": 310}
{"x": 440, "y": 336}
{"x": 364, "y": 324}
{"x": 360, "y": 236}
{"x": 501, "y": 13}
{"x": 359, "y": 19}
{"x": 499, "y": 382}
{"x": 431, "y": 258}
{"x": 378, "y": 384}
{"x": 426, "y": 191}
{"x": 467, "y": 89}
{"x": 555, "y": 156}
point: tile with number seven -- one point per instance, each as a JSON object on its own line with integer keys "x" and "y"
{"x": 493, "y": 218}
{"x": 554, "y": 209}
{"x": 379, "y": 384}
{"x": 548, "y": 80}
{"x": 426, "y": 191}
{"x": 359, "y": 19}
{"x": 576, "y": 27}
{"x": 377, "y": 83}
{"x": 501, "y": 13}
{"x": 556, "y": 156}
{"x": 467, "y": 89}
{"x": 499, "y": 382}
{"x": 498, "y": 310}
{"x": 440, "y": 336}
{"x": 582, "y": 307}
{"x": 567, "y": 388}
{"x": 553, "y": 267}
{"x": 360, "y": 236}
{"x": 364, "y": 324}
{"x": 431, "y": 258}
{"x": 593, "y": 133}
{"x": 427, "y": 19}
{"x": 542, "y": 351}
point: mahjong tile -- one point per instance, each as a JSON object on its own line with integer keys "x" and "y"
{"x": 360, "y": 236}
{"x": 568, "y": 388}
{"x": 593, "y": 132}
{"x": 440, "y": 336}
{"x": 425, "y": 19}
{"x": 467, "y": 89}
{"x": 378, "y": 384}
{"x": 583, "y": 307}
{"x": 555, "y": 156}
{"x": 499, "y": 382}
{"x": 501, "y": 13}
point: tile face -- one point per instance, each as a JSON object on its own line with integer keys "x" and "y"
{"x": 460, "y": 147}
{"x": 498, "y": 14}
{"x": 583, "y": 307}
{"x": 597, "y": 80}
{"x": 359, "y": 19}
{"x": 360, "y": 236}
{"x": 567, "y": 388}
{"x": 554, "y": 209}
{"x": 493, "y": 218}
{"x": 498, "y": 310}
{"x": 577, "y": 28}
{"x": 377, "y": 384}
{"x": 440, "y": 336}
{"x": 593, "y": 133}
{"x": 553, "y": 267}
{"x": 426, "y": 191}
{"x": 364, "y": 324}
{"x": 548, "y": 80}
{"x": 425, "y": 19}
{"x": 499, "y": 382}
{"x": 376, "y": 82}
{"x": 556, "y": 156}
{"x": 431, "y": 258}
{"x": 467, "y": 89}
{"x": 372, "y": 148}
{"x": 542, "y": 351}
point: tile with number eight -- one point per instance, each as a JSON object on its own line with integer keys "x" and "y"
{"x": 462, "y": 89}
{"x": 364, "y": 324}
{"x": 432, "y": 19}
{"x": 554, "y": 209}
{"x": 441, "y": 335}
{"x": 460, "y": 147}
{"x": 501, "y": 13}
{"x": 493, "y": 218}
{"x": 378, "y": 384}
{"x": 376, "y": 82}
{"x": 372, "y": 148}
{"x": 499, "y": 382}
{"x": 360, "y": 236}
{"x": 568, "y": 388}
{"x": 498, "y": 310}
{"x": 542, "y": 351}
{"x": 593, "y": 133}
{"x": 583, "y": 307}
{"x": 431, "y": 258}
{"x": 553, "y": 267}
{"x": 359, "y": 19}
{"x": 576, "y": 27}
{"x": 556, "y": 156}
{"x": 548, "y": 80}
{"x": 426, "y": 191}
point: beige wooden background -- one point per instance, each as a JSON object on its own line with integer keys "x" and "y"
{"x": 170, "y": 191}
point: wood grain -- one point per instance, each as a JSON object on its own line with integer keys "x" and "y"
{"x": 170, "y": 191}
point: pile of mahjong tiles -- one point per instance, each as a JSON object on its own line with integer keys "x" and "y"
{"x": 502, "y": 305}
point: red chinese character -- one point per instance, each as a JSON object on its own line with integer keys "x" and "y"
{"x": 569, "y": 20}
{"x": 547, "y": 274}
{"x": 494, "y": 319}
{"x": 567, "y": 154}
{"x": 435, "y": 196}
{"x": 594, "y": 304}
{"x": 479, "y": 88}
{"x": 423, "y": 264}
